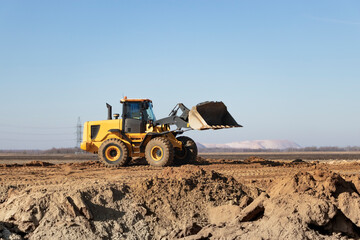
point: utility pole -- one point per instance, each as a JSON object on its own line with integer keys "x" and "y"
{"x": 78, "y": 133}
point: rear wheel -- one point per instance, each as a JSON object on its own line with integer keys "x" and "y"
{"x": 159, "y": 152}
{"x": 188, "y": 153}
{"x": 113, "y": 153}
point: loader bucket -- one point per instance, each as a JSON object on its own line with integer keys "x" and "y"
{"x": 211, "y": 115}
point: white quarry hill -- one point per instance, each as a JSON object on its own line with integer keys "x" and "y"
{"x": 255, "y": 144}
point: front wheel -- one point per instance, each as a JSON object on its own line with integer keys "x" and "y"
{"x": 113, "y": 153}
{"x": 188, "y": 152}
{"x": 159, "y": 152}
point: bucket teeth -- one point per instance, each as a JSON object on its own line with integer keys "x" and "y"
{"x": 216, "y": 127}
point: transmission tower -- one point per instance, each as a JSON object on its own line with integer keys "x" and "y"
{"x": 78, "y": 133}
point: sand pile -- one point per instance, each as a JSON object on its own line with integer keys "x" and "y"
{"x": 87, "y": 164}
{"x": 173, "y": 205}
{"x": 318, "y": 205}
{"x": 180, "y": 199}
{"x": 50, "y": 213}
{"x": 262, "y": 161}
{"x": 254, "y": 159}
{"x": 185, "y": 202}
{"x": 317, "y": 202}
{"x": 38, "y": 164}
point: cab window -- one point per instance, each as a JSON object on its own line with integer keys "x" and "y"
{"x": 150, "y": 114}
{"x": 133, "y": 110}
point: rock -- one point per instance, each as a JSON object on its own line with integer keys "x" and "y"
{"x": 205, "y": 233}
{"x": 81, "y": 206}
{"x": 70, "y": 207}
{"x": 349, "y": 204}
{"x": 356, "y": 181}
{"x": 76, "y": 206}
{"x": 223, "y": 214}
{"x": 312, "y": 210}
{"x": 244, "y": 201}
{"x": 255, "y": 209}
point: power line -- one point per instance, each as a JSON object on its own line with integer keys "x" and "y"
{"x": 24, "y": 133}
{"x": 78, "y": 133}
{"x": 34, "y": 140}
{"x": 32, "y": 127}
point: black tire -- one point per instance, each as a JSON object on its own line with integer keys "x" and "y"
{"x": 159, "y": 152}
{"x": 113, "y": 152}
{"x": 188, "y": 153}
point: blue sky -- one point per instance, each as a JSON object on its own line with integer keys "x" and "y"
{"x": 285, "y": 69}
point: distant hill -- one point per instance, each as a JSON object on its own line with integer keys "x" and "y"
{"x": 255, "y": 144}
{"x": 200, "y": 146}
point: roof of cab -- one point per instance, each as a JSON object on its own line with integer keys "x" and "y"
{"x": 125, "y": 99}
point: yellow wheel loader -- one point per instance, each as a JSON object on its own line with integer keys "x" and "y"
{"x": 138, "y": 134}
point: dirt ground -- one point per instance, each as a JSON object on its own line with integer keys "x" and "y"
{"x": 220, "y": 196}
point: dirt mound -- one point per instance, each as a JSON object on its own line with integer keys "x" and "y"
{"x": 84, "y": 164}
{"x": 298, "y": 160}
{"x": 317, "y": 202}
{"x": 11, "y": 165}
{"x": 174, "y": 204}
{"x": 182, "y": 196}
{"x": 317, "y": 205}
{"x": 73, "y": 212}
{"x": 319, "y": 183}
{"x": 28, "y": 164}
{"x": 262, "y": 161}
{"x": 253, "y": 159}
{"x": 178, "y": 202}
{"x": 38, "y": 164}
{"x": 201, "y": 161}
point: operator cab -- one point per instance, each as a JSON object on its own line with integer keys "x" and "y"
{"x": 136, "y": 114}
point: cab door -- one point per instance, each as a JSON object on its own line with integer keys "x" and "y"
{"x": 133, "y": 118}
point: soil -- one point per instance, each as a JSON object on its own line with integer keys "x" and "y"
{"x": 226, "y": 198}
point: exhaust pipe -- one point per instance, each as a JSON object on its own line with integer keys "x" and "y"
{"x": 109, "y": 107}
